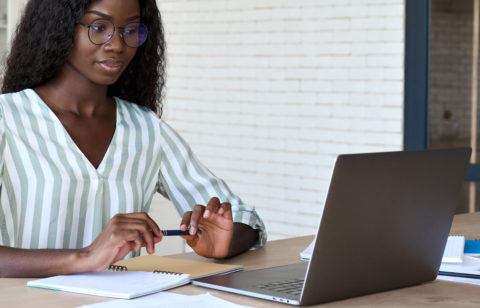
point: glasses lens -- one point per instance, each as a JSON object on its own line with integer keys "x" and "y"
{"x": 135, "y": 34}
{"x": 100, "y": 31}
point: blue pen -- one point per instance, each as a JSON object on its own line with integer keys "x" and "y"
{"x": 175, "y": 232}
{"x": 178, "y": 232}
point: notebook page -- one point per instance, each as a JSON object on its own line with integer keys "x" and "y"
{"x": 112, "y": 283}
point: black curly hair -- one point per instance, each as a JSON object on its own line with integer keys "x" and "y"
{"x": 39, "y": 50}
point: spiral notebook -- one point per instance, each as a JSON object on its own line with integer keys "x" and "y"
{"x": 109, "y": 283}
{"x": 153, "y": 263}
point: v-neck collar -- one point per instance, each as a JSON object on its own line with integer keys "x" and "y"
{"x": 73, "y": 146}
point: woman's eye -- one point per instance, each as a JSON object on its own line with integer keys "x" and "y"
{"x": 130, "y": 31}
{"x": 98, "y": 28}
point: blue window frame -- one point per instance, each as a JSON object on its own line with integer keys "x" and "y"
{"x": 417, "y": 29}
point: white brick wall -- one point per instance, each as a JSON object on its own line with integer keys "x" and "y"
{"x": 269, "y": 92}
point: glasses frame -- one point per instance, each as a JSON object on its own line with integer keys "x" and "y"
{"x": 88, "y": 26}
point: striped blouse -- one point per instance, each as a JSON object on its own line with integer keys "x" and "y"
{"x": 51, "y": 196}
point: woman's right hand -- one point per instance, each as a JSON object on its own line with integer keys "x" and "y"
{"x": 122, "y": 234}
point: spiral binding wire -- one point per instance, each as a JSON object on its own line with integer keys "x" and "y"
{"x": 119, "y": 268}
{"x": 165, "y": 272}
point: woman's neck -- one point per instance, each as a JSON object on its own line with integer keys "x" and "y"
{"x": 67, "y": 92}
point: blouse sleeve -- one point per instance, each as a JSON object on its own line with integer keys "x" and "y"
{"x": 186, "y": 182}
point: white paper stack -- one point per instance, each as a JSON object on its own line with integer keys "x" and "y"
{"x": 454, "y": 250}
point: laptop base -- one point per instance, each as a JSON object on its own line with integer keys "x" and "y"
{"x": 240, "y": 283}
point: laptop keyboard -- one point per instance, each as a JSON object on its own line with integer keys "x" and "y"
{"x": 291, "y": 286}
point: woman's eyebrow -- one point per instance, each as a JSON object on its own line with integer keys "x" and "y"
{"x": 132, "y": 18}
{"x": 100, "y": 14}
{"x": 110, "y": 17}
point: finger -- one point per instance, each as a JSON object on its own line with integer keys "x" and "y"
{"x": 153, "y": 234}
{"x": 131, "y": 238}
{"x": 157, "y": 239}
{"x": 142, "y": 234}
{"x": 139, "y": 242}
{"x": 212, "y": 207}
{"x": 225, "y": 210}
{"x": 151, "y": 223}
{"x": 148, "y": 241}
{"x": 146, "y": 237}
{"x": 185, "y": 220}
{"x": 197, "y": 213}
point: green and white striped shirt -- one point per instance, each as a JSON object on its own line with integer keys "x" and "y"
{"x": 51, "y": 196}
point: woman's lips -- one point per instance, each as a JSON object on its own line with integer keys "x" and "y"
{"x": 111, "y": 66}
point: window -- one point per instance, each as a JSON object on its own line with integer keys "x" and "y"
{"x": 441, "y": 82}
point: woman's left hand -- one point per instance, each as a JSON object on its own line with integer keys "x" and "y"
{"x": 215, "y": 225}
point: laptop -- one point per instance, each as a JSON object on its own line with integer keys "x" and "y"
{"x": 385, "y": 225}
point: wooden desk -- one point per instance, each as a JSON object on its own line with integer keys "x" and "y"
{"x": 13, "y": 292}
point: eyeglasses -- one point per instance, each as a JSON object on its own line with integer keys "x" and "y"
{"x": 100, "y": 32}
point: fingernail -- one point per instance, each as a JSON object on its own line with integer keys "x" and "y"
{"x": 192, "y": 231}
{"x": 183, "y": 227}
{"x": 206, "y": 214}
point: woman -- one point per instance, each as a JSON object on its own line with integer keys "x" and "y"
{"x": 80, "y": 143}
